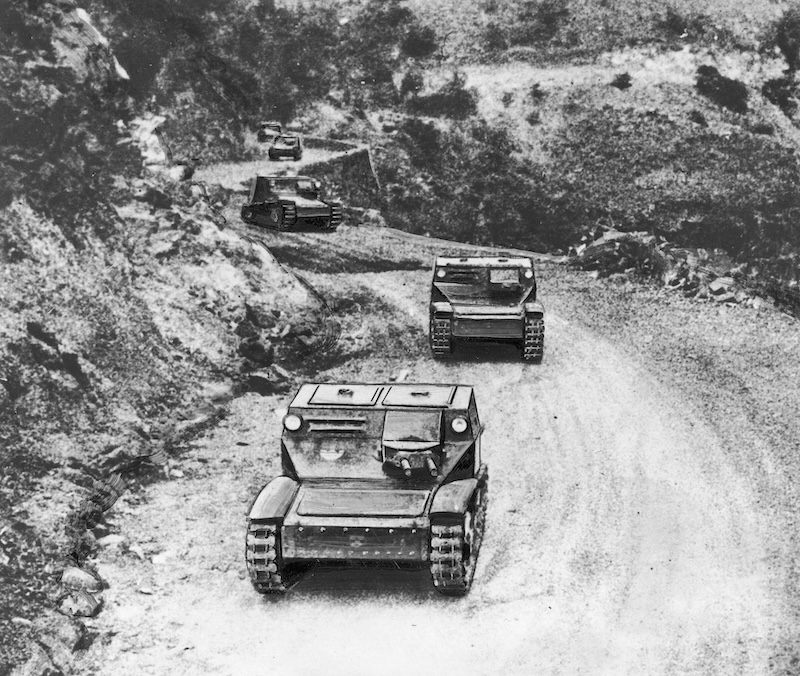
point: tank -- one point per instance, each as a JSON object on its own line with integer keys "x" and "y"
{"x": 290, "y": 203}
{"x": 485, "y": 298}
{"x": 381, "y": 473}
{"x": 268, "y": 131}
{"x": 286, "y": 145}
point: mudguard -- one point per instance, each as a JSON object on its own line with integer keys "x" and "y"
{"x": 442, "y": 308}
{"x": 453, "y": 498}
{"x": 534, "y": 308}
{"x": 274, "y": 499}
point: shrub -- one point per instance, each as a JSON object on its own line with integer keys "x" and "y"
{"x": 539, "y": 21}
{"x": 536, "y": 92}
{"x": 787, "y": 37}
{"x": 783, "y": 93}
{"x": 621, "y": 81}
{"x": 698, "y": 118}
{"x": 424, "y": 146}
{"x": 495, "y": 37}
{"x": 452, "y": 100}
{"x": 419, "y": 42}
{"x": 723, "y": 91}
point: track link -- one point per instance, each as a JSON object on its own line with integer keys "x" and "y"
{"x": 336, "y": 216}
{"x": 533, "y": 341}
{"x": 454, "y": 549}
{"x": 441, "y": 337}
{"x": 263, "y": 560}
{"x": 289, "y": 216}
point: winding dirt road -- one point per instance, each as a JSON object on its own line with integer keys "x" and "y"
{"x": 620, "y": 540}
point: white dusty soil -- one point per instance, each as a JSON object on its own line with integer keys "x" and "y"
{"x": 621, "y": 539}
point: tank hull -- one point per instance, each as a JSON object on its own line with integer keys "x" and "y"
{"x": 362, "y": 540}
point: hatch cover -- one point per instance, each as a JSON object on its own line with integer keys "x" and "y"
{"x": 434, "y": 396}
{"x": 346, "y": 395}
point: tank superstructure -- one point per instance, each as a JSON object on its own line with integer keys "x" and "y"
{"x": 374, "y": 472}
{"x": 485, "y": 298}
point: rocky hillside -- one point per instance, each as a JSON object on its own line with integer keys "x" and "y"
{"x": 129, "y": 315}
{"x": 132, "y": 311}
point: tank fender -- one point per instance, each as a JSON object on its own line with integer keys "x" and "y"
{"x": 534, "y": 308}
{"x": 274, "y": 499}
{"x": 453, "y": 498}
{"x": 442, "y": 308}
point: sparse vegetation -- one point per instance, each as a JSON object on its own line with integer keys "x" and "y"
{"x": 451, "y": 100}
{"x": 622, "y": 81}
{"x": 94, "y": 355}
{"x": 787, "y": 36}
{"x": 724, "y": 91}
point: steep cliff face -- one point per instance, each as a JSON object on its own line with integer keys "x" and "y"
{"x": 126, "y": 307}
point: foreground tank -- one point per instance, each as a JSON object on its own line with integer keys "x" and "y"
{"x": 485, "y": 299}
{"x": 381, "y": 473}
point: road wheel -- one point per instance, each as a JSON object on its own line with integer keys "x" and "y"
{"x": 248, "y": 215}
{"x": 441, "y": 337}
{"x": 275, "y": 216}
{"x": 265, "y": 565}
{"x": 455, "y": 545}
{"x": 533, "y": 339}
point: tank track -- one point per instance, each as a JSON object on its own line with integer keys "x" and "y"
{"x": 441, "y": 337}
{"x": 336, "y": 216}
{"x": 533, "y": 341}
{"x": 454, "y": 549}
{"x": 263, "y": 560}
{"x": 289, "y": 216}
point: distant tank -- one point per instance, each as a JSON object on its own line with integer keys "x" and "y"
{"x": 286, "y": 145}
{"x": 487, "y": 299}
{"x": 387, "y": 473}
{"x": 268, "y": 131}
{"x": 290, "y": 203}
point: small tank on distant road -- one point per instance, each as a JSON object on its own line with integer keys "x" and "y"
{"x": 268, "y": 131}
{"x": 387, "y": 473}
{"x": 485, "y": 298}
{"x": 290, "y": 203}
{"x": 286, "y": 145}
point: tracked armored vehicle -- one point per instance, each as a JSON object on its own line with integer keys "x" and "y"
{"x": 488, "y": 299}
{"x": 373, "y": 473}
{"x": 290, "y": 203}
{"x": 268, "y": 131}
{"x": 286, "y": 145}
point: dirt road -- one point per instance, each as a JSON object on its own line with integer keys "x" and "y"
{"x": 237, "y": 175}
{"x": 620, "y": 540}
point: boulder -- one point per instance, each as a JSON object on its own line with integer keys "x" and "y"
{"x": 38, "y": 664}
{"x": 79, "y": 604}
{"x": 80, "y": 579}
{"x": 720, "y": 285}
{"x": 69, "y": 632}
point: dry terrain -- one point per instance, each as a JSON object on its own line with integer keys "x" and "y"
{"x": 628, "y": 530}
